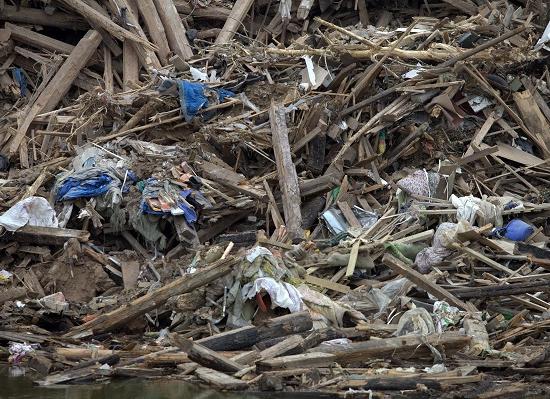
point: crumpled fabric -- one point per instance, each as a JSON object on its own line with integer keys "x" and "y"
{"x": 470, "y": 208}
{"x": 18, "y": 351}
{"x": 89, "y": 183}
{"x": 420, "y": 182}
{"x": 326, "y": 309}
{"x": 415, "y": 321}
{"x": 34, "y": 211}
{"x": 282, "y": 294}
{"x": 161, "y": 197}
{"x": 432, "y": 256}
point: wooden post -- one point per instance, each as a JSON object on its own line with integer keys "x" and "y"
{"x": 156, "y": 29}
{"x": 234, "y": 21}
{"x": 59, "y": 85}
{"x": 288, "y": 179}
{"x": 175, "y": 31}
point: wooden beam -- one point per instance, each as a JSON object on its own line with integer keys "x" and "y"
{"x": 175, "y": 31}
{"x": 60, "y": 84}
{"x": 288, "y": 179}
{"x": 220, "y": 380}
{"x": 397, "y": 347}
{"x": 155, "y": 27}
{"x": 421, "y": 281}
{"x": 38, "y": 40}
{"x": 234, "y": 21}
{"x": 147, "y": 56}
{"x": 104, "y": 22}
{"x": 35, "y": 16}
{"x": 154, "y": 299}
{"x": 204, "y": 356}
{"x": 245, "y": 337}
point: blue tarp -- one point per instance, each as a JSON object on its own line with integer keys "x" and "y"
{"x": 72, "y": 188}
{"x": 193, "y": 98}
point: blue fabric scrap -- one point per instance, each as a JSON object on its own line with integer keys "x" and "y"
{"x": 193, "y": 99}
{"x": 72, "y": 188}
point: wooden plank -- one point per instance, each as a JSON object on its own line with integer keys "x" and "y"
{"x": 420, "y": 280}
{"x": 230, "y": 179}
{"x": 514, "y": 154}
{"x": 154, "y": 299}
{"x": 331, "y": 285}
{"x": 220, "y": 380}
{"x": 349, "y": 215}
{"x": 39, "y": 235}
{"x": 59, "y": 84}
{"x": 155, "y": 27}
{"x": 475, "y": 155}
{"x": 175, "y": 31}
{"x": 288, "y": 179}
{"x": 354, "y": 253}
{"x": 130, "y": 273}
{"x": 398, "y": 347}
{"x": 245, "y": 337}
{"x": 234, "y": 20}
{"x": 533, "y": 116}
{"x": 147, "y": 56}
{"x": 495, "y": 265}
{"x": 282, "y": 347}
{"x": 108, "y": 70}
{"x": 204, "y": 356}
{"x": 312, "y": 359}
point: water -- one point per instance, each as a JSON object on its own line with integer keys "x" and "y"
{"x": 21, "y": 387}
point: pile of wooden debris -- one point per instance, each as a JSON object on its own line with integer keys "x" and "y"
{"x": 339, "y": 197}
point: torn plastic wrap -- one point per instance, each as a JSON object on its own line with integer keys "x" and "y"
{"x": 34, "y": 211}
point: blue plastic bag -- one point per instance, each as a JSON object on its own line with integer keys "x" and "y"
{"x": 515, "y": 230}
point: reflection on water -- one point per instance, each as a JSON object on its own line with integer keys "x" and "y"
{"x": 21, "y": 387}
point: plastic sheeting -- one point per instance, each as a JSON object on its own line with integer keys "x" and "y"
{"x": 282, "y": 294}
{"x": 34, "y": 211}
